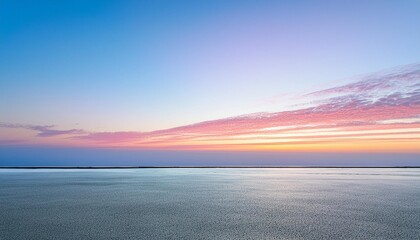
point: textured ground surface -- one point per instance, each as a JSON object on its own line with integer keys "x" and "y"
{"x": 210, "y": 204}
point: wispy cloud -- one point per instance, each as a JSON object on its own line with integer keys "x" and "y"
{"x": 44, "y": 130}
{"x": 382, "y": 109}
{"x": 403, "y": 78}
{"x": 112, "y": 137}
{"x": 11, "y": 142}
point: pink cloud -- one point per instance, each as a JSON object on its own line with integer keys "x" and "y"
{"x": 360, "y": 106}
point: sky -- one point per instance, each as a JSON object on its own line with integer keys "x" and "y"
{"x": 210, "y": 82}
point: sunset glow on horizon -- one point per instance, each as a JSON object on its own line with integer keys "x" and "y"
{"x": 381, "y": 112}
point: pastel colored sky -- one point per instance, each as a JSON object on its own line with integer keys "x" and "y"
{"x": 282, "y": 76}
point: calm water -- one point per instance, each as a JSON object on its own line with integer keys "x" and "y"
{"x": 210, "y": 204}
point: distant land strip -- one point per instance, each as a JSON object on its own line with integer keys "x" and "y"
{"x": 131, "y": 167}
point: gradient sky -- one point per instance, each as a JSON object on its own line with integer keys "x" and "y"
{"x": 282, "y": 76}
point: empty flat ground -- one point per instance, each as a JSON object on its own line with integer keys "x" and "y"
{"x": 291, "y": 203}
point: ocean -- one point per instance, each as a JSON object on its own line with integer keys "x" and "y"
{"x": 210, "y": 203}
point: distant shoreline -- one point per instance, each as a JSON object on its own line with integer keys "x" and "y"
{"x": 148, "y": 167}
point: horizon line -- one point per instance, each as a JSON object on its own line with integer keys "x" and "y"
{"x": 152, "y": 167}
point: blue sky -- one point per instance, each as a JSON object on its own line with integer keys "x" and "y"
{"x": 139, "y": 63}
